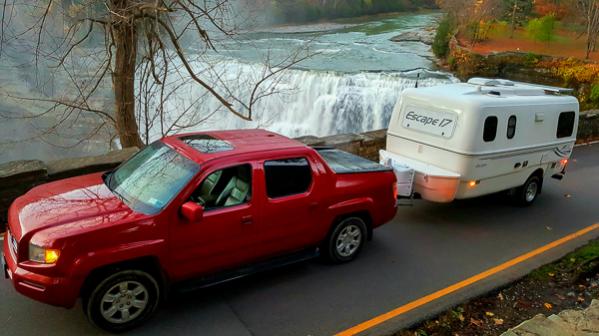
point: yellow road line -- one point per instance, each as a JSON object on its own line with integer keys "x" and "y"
{"x": 464, "y": 283}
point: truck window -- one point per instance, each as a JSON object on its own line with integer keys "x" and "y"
{"x": 287, "y": 177}
{"x": 511, "y": 127}
{"x": 565, "y": 124}
{"x": 224, "y": 188}
{"x": 490, "y": 129}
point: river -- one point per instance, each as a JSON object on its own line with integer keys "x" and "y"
{"x": 350, "y": 85}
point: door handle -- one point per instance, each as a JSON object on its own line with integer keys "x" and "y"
{"x": 313, "y": 205}
{"x": 247, "y": 220}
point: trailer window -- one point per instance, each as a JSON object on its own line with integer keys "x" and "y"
{"x": 287, "y": 177}
{"x": 490, "y": 129}
{"x": 565, "y": 124}
{"x": 511, "y": 127}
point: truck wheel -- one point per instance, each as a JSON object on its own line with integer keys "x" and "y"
{"x": 345, "y": 241}
{"x": 122, "y": 301}
{"x": 527, "y": 194}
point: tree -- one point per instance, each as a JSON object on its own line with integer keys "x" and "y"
{"x": 542, "y": 29}
{"x": 442, "y": 36}
{"x": 517, "y": 12}
{"x": 589, "y": 12}
{"x": 152, "y": 46}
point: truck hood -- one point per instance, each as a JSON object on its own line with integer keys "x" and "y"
{"x": 78, "y": 199}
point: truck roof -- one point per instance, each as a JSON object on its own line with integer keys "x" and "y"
{"x": 492, "y": 92}
{"x": 204, "y": 146}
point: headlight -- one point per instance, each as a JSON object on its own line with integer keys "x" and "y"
{"x": 43, "y": 255}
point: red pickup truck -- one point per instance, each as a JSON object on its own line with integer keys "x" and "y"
{"x": 210, "y": 207}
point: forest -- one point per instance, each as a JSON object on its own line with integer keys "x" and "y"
{"x": 297, "y": 11}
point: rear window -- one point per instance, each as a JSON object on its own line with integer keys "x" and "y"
{"x": 287, "y": 177}
{"x": 490, "y": 129}
{"x": 565, "y": 124}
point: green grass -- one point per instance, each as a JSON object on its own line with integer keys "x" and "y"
{"x": 575, "y": 260}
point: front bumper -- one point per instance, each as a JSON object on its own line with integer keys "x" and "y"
{"x": 55, "y": 291}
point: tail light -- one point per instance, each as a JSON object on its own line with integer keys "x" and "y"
{"x": 395, "y": 191}
{"x": 563, "y": 164}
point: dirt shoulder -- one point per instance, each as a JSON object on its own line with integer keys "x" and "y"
{"x": 570, "y": 283}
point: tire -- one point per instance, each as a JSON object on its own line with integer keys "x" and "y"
{"x": 122, "y": 301}
{"x": 527, "y": 193}
{"x": 345, "y": 241}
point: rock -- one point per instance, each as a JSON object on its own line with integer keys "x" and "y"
{"x": 540, "y": 325}
{"x": 422, "y": 36}
{"x": 567, "y": 323}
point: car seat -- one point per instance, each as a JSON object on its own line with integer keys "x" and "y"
{"x": 234, "y": 193}
{"x": 207, "y": 187}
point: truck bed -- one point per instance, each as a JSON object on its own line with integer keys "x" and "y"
{"x": 342, "y": 162}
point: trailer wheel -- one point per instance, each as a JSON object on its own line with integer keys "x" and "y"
{"x": 345, "y": 240}
{"x": 527, "y": 193}
{"x": 122, "y": 300}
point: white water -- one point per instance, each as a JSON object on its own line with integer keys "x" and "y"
{"x": 308, "y": 102}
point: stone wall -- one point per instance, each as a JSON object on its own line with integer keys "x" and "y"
{"x": 19, "y": 176}
{"x": 567, "y": 323}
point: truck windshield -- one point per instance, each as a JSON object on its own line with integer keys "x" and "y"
{"x": 152, "y": 178}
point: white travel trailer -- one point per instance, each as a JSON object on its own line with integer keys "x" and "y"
{"x": 465, "y": 140}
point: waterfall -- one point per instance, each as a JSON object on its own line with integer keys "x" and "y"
{"x": 312, "y": 102}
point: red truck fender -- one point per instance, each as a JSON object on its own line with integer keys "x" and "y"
{"x": 84, "y": 266}
{"x": 360, "y": 206}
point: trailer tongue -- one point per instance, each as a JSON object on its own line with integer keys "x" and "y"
{"x": 432, "y": 183}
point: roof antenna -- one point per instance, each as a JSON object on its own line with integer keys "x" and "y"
{"x": 417, "y": 78}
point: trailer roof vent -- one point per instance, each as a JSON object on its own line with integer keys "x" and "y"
{"x": 484, "y": 81}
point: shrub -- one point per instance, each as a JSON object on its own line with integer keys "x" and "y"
{"x": 499, "y": 29}
{"x": 594, "y": 96}
{"x": 442, "y": 37}
{"x": 542, "y": 29}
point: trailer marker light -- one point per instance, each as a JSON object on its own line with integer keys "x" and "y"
{"x": 472, "y": 184}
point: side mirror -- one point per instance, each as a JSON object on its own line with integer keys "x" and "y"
{"x": 192, "y": 211}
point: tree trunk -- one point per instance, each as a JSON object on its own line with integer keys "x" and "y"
{"x": 589, "y": 37}
{"x": 513, "y": 19}
{"x": 123, "y": 76}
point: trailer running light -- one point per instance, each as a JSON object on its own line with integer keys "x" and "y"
{"x": 564, "y": 162}
{"x": 473, "y": 184}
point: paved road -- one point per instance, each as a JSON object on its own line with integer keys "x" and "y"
{"x": 427, "y": 247}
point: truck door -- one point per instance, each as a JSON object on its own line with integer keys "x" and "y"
{"x": 225, "y": 236}
{"x": 290, "y": 218}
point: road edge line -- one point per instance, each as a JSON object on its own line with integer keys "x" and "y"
{"x": 462, "y": 284}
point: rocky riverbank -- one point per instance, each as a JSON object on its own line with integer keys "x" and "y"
{"x": 582, "y": 76}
